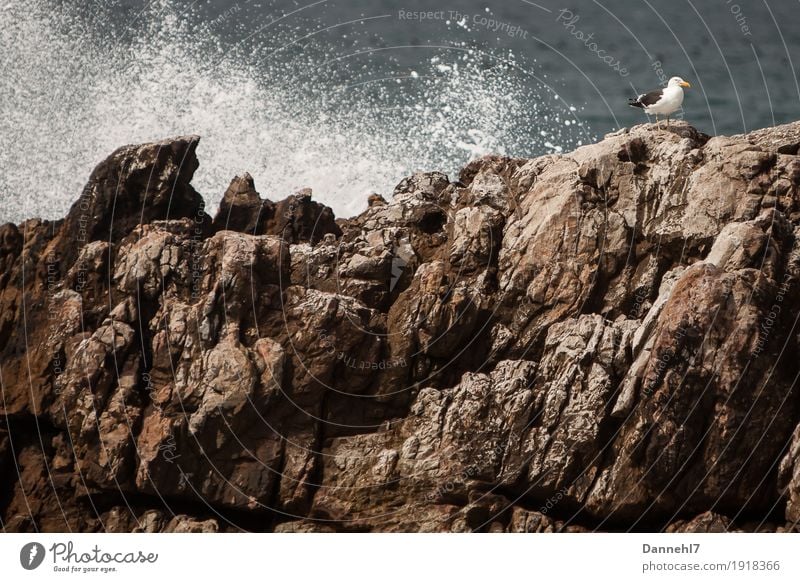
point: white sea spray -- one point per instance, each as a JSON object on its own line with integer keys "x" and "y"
{"x": 286, "y": 104}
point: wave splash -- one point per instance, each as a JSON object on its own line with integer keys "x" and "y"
{"x": 286, "y": 101}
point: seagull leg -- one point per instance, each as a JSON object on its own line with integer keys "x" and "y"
{"x": 667, "y": 120}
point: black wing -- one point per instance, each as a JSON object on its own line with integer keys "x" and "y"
{"x": 647, "y": 99}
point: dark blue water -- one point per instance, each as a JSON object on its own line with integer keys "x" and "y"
{"x": 347, "y": 96}
{"x": 742, "y": 57}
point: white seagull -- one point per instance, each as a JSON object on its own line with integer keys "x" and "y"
{"x": 664, "y": 101}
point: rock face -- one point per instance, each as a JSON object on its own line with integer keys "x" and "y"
{"x": 601, "y": 340}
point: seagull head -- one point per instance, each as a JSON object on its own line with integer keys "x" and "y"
{"x": 677, "y": 82}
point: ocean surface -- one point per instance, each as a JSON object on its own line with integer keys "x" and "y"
{"x": 349, "y": 96}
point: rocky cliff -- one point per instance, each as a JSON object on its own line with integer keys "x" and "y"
{"x": 602, "y": 340}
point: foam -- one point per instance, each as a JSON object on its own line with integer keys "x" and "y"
{"x": 339, "y": 119}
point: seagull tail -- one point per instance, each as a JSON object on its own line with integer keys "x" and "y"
{"x": 635, "y": 103}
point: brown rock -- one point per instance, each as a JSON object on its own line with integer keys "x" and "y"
{"x": 599, "y": 340}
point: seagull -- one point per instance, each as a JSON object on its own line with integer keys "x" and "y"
{"x": 664, "y": 101}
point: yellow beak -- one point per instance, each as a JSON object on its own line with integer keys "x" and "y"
{"x": 685, "y": 84}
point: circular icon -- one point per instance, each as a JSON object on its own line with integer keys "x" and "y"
{"x": 31, "y": 555}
